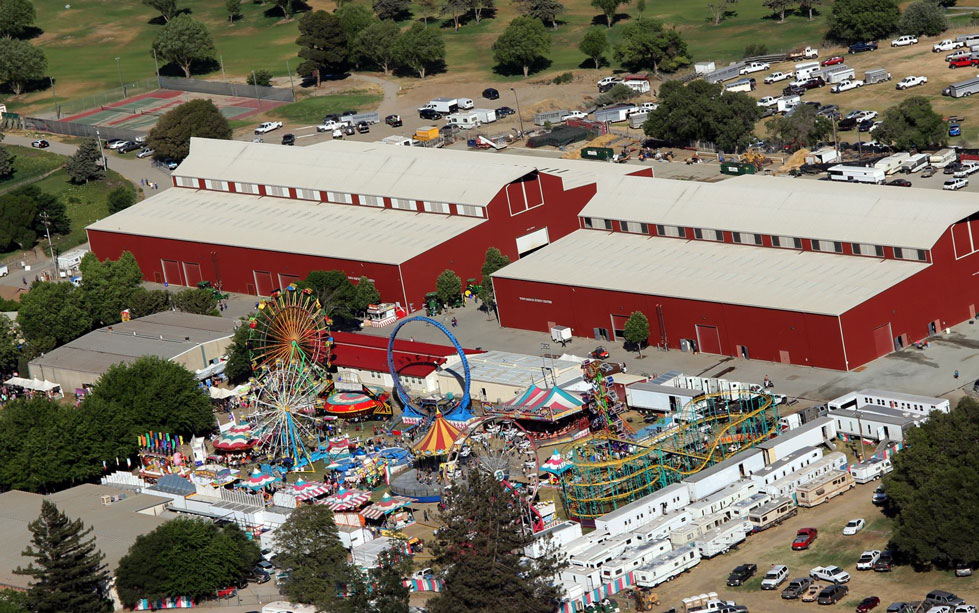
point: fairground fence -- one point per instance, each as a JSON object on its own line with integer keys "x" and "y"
{"x": 71, "y": 128}
{"x": 109, "y": 96}
{"x": 218, "y": 88}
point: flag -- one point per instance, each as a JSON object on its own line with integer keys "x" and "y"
{"x": 105, "y": 465}
{"x": 129, "y": 462}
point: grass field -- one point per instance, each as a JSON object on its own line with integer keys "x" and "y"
{"x": 29, "y": 163}
{"x": 311, "y": 110}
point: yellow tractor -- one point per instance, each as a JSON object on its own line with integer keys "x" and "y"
{"x": 645, "y": 598}
{"x": 756, "y": 158}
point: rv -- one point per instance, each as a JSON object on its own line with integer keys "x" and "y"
{"x": 667, "y": 566}
{"x": 485, "y": 115}
{"x": 772, "y": 514}
{"x": 823, "y": 488}
{"x": 868, "y": 470}
{"x": 721, "y": 539}
{"x": 741, "y": 85}
{"x": 943, "y": 157}
{"x": 857, "y": 174}
{"x": 804, "y": 70}
{"x": 962, "y": 88}
{"x": 915, "y": 163}
{"x": 785, "y": 104}
{"x": 633, "y": 558}
{"x": 892, "y": 163}
{"x": 466, "y": 121}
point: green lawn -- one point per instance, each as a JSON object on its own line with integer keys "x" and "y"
{"x": 85, "y": 203}
{"x": 29, "y": 163}
{"x": 311, "y": 110}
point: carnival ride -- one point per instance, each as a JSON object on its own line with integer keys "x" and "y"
{"x": 612, "y": 469}
{"x": 289, "y": 346}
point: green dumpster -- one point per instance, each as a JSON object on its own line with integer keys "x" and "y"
{"x": 597, "y": 153}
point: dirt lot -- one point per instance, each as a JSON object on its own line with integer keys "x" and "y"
{"x": 773, "y": 547}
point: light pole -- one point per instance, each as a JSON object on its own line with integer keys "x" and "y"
{"x": 519, "y": 115}
{"x": 119, "y": 70}
{"x": 54, "y": 100}
{"x": 292, "y": 84}
{"x": 47, "y": 220}
{"x": 105, "y": 163}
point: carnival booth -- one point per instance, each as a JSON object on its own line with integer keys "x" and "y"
{"x": 546, "y": 413}
{"x": 389, "y": 513}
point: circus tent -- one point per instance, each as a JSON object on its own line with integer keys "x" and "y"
{"x": 439, "y": 438}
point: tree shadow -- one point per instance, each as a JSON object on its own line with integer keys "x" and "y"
{"x": 34, "y": 85}
{"x": 516, "y": 70}
{"x": 802, "y": 12}
{"x": 160, "y": 21}
{"x": 590, "y": 63}
{"x": 197, "y": 67}
{"x": 276, "y": 12}
{"x": 599, "y": 20}
{"x": 774, "y": 16}
{"x": 30, "y": 32}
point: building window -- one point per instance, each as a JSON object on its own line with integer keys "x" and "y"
{"x": 708, "y": 235}
{"x": 787, "y": 242}
{"x": 634, "y": 227}
{"x": 216, "y": 184}
{"x": 307, "y": 194}
{"x": 903, "y": 253}
{"x": 436, "y": 207}
{"x": 246, "y": 188}
{"x": 469, "y": 210}
{"x": 186, "y": 181}
{"x": 827, "y": 246}
{"x": 674, "y": 231}
{"x": 339, "y": 197}
{"x": 403, "y": 205}
{"x": 865, "y": 249}
{"x": 372, "y": 201}
{"x": 746, "y": 238}
{"x": 275, "y": 190}
{"x": 588, "y": 222}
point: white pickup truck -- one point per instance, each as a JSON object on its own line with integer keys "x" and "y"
{"x": 947, "y": 45}
{"x": 833, "y": 574}
{"x": 268, "y": 126}
{"x": 755, "y": 67}
{"x": 775, "y": 77}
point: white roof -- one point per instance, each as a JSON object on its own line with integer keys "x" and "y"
{"x": 824, "y": 210}
{"x": 805, "y": 281}
{"x": 378, "y": 169}
{"x": 386, "y": 236}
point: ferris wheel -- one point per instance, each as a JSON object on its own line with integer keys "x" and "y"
{"x": 501, "y": 448}
{"x": 284, "y": 421}
{"x": 290, "y": 326}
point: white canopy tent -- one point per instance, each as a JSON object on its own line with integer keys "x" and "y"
{"x": 33, "y": 384}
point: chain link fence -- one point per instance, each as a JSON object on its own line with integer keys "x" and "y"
{"x": 238, "y": 90}
{"x": 80, "y": 105}
{"x": 71, "y": 128}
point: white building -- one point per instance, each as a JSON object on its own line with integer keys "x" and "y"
{"x": 786, "y": 486}
{"x": 722, "y": 474}
{"x": 796, "y": 460}
{"x": 865, "y": 399}
{"x": 811, "y": 434}
{"x": 631, "y": 516}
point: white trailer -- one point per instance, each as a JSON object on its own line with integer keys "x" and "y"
{"x": 962, "y": 88}
{"x": 633, "y": 558}
{"x": 868, "y": 470}
{"x": 892, "y": 163}
{"x": 784, "y": 104}
{"x": 741, "y": 85}
{"x": 70, "y": 260}
{"x": 876, "y": 75}
{"x": 637, "y": 82}
{"x": 804, "y": 70}
{"x": 943, "y": 157}
{"x": 444, "y": 105}
{"x": 838, "y": 74}
{"x": 466, "y": 121}
{"x": 485, "y": 115}
{"x": 661, "y": 528}
{"x": 721, "y": 539}
{"x": 915, "y": 163}
{"x": 403, "y": 141}
{"x": 667, "y": 566}
{"x": 366, "y": 555}
{"x": 857, "y": 174}
{"x": 561, "y": 334}
{"x": 614, "y": 114}
{"x": 824, "y": 155}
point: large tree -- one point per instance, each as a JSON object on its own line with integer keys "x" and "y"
{"x": 20, "y": 63}
{"x": 448, "y": 286}
{"x": 912, "y": 125}
{"x": 166, "y": 8}
{"x": 335, "y": 292}
{"x": 365, "y": 295}
{"x": 199, "y": 300}
{"x": 86, "y": 163}
{"x": 546, "y": 10}
{"x": 493, "y": 261}
{"x": 50, "y": 315}
{"x": 170, "y": 137}
{"x": 720, "y": 9}
{"x": 16, "y": 16}
{"x": 923, "y": 17}
{"x": 809, "y": 6}
{"x": 378, "y": 43}
{"x": 183, "y": 41}
{"x": 28, "y": 213}
{"x": 68, "y": 572}
{"x": 647, "y": 45}
{"x": 184, "y": 557}
{"x": 322, "y": 45}
{"x": 636, "y": 330}
{"x": 10, "y": 351}
{"x": 803, "y": 128}
{"x": 933, "y": 476}
{"x": 145, "y": 302}
{"x": 858, "y": 20}
{"x": 238, "y": 367}
{"x": 779, "y": 7}
{"x": 480, "y": 546}
{"x": 354, "y": 19}
{"x": 703, "y": 112}
{"x": 524, "y": 43}
{"x": 107, "y": 286}
{"x": 6, "y": 163}
{"x": 309, "y": 545}
{"x": 608, "y": 8}
{"x": 120, "y": 198}
{"x": 421, "y": 48}
{"x": 594, "y": 45}
{"x": 388, "y": 591}
{"x": 392, "y": 9}
{"x": 478, "y": 6}
{"x": 455, "y": 9}
{"x": 428, "y": 9}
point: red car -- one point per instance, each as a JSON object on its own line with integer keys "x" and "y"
{"x": 803, "y": 538}
{"x": 228, "y": 592}
{"x": 962, "y": 62}
{"x": 868, "y": 603}
{"x": 830, "y": 61}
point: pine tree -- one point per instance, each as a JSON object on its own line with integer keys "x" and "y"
{"x": 86, "y": 163}
{"x": 70, "y": 573}
{"x": 388, "y": 591}
{"x": 6, "y": 163}
{"x": 480, "y": 549}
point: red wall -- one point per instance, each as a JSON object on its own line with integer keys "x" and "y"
{"x": 812, "y": 340}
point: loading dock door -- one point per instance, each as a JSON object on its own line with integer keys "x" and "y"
{"x": 171, "y": 273}
{"x": 263, "y": 282}
{"x": 192, "y": 272}
{"x": 532, "y": 241}
{"x": 618, "y": 326}
{"x": 708, "y": 339}
{"x": 883, "y": 342}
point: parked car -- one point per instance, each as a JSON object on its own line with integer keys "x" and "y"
{"x": 879, "y": 497}
{"x": 503, "y": 111}
{"x": 145, "y": 153}
{"x": 794, "y": 90}
{"x": 768, "y": 101}
{"x": 775, "y": 577}
{"x": 941, "y": 597}
{"x": 867, "y": 604}
{"x": 814, "y": 82}
{"x": 228, "y": 592}
{"x": 853, "y": 526}
{"x": 832, "y": 61}
{"x": 330, "y": 124}
{"x": 574, "y": 115}
{"x": 394, "y": 121}
{"x": 264, "y": 566}
{"x": 929, "y": 171}
{"x": 964, "y": 608}
{"x": 833, "y": 574}
{"x": 796, "y": 588}
{"x": 963, "y": 570}
{"x": 288, "y": 139}
{"x": 775, "y": 77}
{"x": 845, "y": 86}
{"x": 114, "y": 143}
{"x": 129, "y": 146}
{"x": 966, "y": 169}
{"x": 171, "y": 164}
{"x": 900, "y": 607}
{"x": 804, "y": 538}
{"x": 363, "y": 127}
{"x": 963, "y": 62}
{"x": 951, "y": 169}
{"x": 899, "y": 183}
{"x": 955, "y": 184}
{"x": 868, "y": 559}
{"x": 832, "y": 594}
{"x": 491, "y": 94}
{"x": 430, "y": 114}
{"x": 912, "y": 81}
{"x": 349, "y": 129}
{"x": 268, "y": 126}
{"x": 40, "y": 144}
{"x": 741, "y": 573}
{"x": 862, "y": 47}
{"x": 884, "y": 562}
{"x": 813, "y": 593}
{"x": 947, "y": 45}
{"x": 751, "y": 67}
{"x": 954, "y": 129}
{"x": 904, "y": 41}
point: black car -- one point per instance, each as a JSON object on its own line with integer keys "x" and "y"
{"x": 348, "y": 113}
{"x": 393, "y": 120}
{"x": 288, "y": 139}
{"x": 363, "y": 127}
{"x": 503, "y": 111}
{"x": 429, "y": 114}
{"x": 129, "y": 146}
{"x": 832, "y": 594}
{"x": 847, "y": 124}
{"x": 491, "y": 94}
{"x": 865, "y": 125}
{"x": 884, "y": 562}
{"x": 899, "y": 183}
{"x": 794, "y": 90}
{"x": 953, "y": 168}
{"x": 861, "y": 47}
{"x": 331, "y": 117}
{"x": 740, "y": 574}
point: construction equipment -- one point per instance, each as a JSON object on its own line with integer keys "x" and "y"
{"x": 645, "y": 598}
{"x": 756, "y": 158}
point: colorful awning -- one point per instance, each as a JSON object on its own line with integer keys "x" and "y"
{"x": 237, "y": 438}
{"x": 556, "y": 464}
{"x": 350, "y": 404}
{"x": 258, "y": 480}
{"x": 439, "y": 438}
{"x": 345, "y": 500}
{"x": 307, "y": 490}
{"x": 385, "y": 505}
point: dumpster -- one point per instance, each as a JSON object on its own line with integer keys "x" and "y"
{"x": 737, "y": 168}
{"x": 597, "y": 153}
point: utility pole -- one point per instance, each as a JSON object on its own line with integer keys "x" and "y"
{"x": 257, "y": 95}
{"x": 54, "y": 262}
{"x": 292, "y": 83}
{"x": 519, "y": 115}
{"x": 98, "y": 139}
{"x": 121, "y": 85}
{"x": 157, "y": 64}
{"x": 54, "y": 100}
{"x": 223, "y": 76}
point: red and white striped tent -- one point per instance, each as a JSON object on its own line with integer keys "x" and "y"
{"x": 387, "y": 504}
{"x": 307, "y": 490}
{"x": 345, "y": 500}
